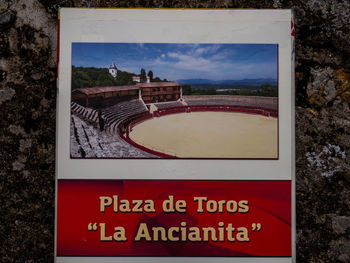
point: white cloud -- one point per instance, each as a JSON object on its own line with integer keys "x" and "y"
{"x": 192, "y": 63}
{"x": 174, "y": 55}
{"x": 206, "y": 50}
{"x": 158, "y": 62}
{"x": 173, "y": 65}
{"x": 200, "y": 51}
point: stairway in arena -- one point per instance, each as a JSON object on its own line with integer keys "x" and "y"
{"x": 86, "y": 113}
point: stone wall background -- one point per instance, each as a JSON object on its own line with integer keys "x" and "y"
{"x": 28, "y": 31}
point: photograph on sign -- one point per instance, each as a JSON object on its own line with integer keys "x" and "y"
{"x": 166, "y": 100}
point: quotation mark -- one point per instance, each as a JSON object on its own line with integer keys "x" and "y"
{"x": 256, "y": 227}
{"x": 92, "y": 227}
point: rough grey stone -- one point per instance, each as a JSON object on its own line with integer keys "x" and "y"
{"x": 28, "y": 31}
{"x": 340, "y": 249}
{"x": 6, "y": 94}
{"x": 341, "y": 224}
{"x": 7, "y": 17}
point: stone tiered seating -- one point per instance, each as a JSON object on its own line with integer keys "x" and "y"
{"x": 169, "y": 104}
{"x": 115, "y": 114}
{"x": 87, "y": 113}
{"x": 89, "y": 142}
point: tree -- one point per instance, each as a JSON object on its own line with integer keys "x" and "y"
{"x": 268, "y": 90}
{"x": 124, "y": 78}
{"x": 150, "y": 75}
{"x": 211, "y": 91}
{"x": 143, "y": 75}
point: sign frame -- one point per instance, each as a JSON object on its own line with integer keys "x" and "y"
{"x": 236, "y": 26}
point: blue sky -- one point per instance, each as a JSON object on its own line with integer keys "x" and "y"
{"x": 182, "y": 61}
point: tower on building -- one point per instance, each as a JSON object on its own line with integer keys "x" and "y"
{"x": 113, "y": 70}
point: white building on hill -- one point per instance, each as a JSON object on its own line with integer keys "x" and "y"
{"x": 136, "y": 79}
{"x": 113, "y": 70}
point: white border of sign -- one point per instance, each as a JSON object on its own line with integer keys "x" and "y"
{"x": 178, "y": 26}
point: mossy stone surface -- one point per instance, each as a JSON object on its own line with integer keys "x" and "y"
{"x": 28, "y": 41}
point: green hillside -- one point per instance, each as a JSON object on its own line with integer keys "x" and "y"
{"x": 98, "y": 77}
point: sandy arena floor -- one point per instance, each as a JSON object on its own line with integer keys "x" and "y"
{"x": 210, "y": 135}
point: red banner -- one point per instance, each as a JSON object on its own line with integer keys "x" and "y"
{"x": 173, "y": 218}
